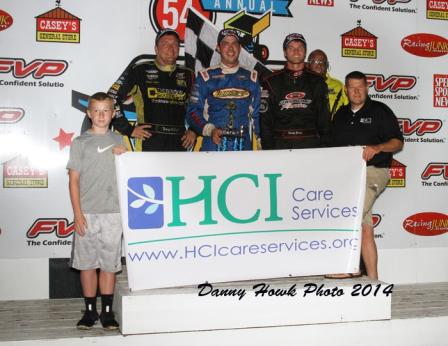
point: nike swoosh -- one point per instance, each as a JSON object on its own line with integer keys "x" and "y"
{"x": 101, "y": 150}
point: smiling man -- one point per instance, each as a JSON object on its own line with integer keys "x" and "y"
{"x": 294, "y": 112}
{"x": 160, "y": 90}
{"x": 225, "y": 100}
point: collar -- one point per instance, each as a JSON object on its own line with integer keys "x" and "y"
{"x": 364, "y": 106}
{"x": 226, "y": 70}
{"x": 165, "y": 68}
{"x": 294, "y": 74}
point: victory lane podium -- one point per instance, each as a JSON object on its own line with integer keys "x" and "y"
{"x": 251, "y": 304}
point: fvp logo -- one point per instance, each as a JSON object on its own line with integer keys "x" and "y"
{"x": 145, "y": 203}
{"x": 392, "y": 83}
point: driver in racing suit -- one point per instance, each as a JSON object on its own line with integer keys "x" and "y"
{"x": 294, "y": 107}
{"x": 160, "y": 90}
{"x": 225, "y": 98}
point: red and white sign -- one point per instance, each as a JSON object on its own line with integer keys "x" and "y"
{"x": 425, "y": 45}
{"x": 38, "y": 68}
{"x": 5, "y": 20}
{"x": 441, "y": 90}
{"x": 426, "y": 224}
{"x": 392, "y": 83}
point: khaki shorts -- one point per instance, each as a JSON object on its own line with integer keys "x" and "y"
{"x": 100, "y": 247}
{"x": 376, "y": 181}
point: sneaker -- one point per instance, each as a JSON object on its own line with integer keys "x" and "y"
{"x": 87, "y": 321}
{"x": 108, "y": 321}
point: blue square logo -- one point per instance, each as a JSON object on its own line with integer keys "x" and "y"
{"x": 145, "y": 203}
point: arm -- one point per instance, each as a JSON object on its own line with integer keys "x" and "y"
{"x": 255, "y": 107}
{"x": 267, "y": 116}
{"x": 391, "y": 146}
{"x": 125, "y": 86}
{"x": 323, "y": 113}
{"x": 79, "y": 219}
{"x": 195, "y": 112}
{"x": 189, "y": 138}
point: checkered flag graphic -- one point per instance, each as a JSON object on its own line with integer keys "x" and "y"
{"x": 200, "y": 44}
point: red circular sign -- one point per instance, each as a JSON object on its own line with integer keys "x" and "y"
{"x": 173, "y": 14}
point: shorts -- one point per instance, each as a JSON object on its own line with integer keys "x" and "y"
{"x": 100, "y": 247}
{"x": 376, "y": 182}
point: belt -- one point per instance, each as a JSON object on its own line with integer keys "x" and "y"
{"x": 296, "y": 134}
{"x": 165, "y": 129}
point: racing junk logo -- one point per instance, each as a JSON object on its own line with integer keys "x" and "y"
{"x": 5, "y": 20}
{"x": 145, "y": 203}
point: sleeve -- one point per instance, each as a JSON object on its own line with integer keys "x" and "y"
{"x": 120, "y": 91}
{"x": 323, "y": 113}
{"x": 390, "y": 127}
{"x": 196, "y": 105}
{"x": 74, "y": 161}
{"x": 255, "y": 108}
{"x": 266, "y": 116}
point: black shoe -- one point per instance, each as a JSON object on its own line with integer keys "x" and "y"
{"x": 88, "y": 320}
{"x": 108, "y": 321}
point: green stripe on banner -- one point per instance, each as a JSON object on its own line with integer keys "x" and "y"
{"x": 248, "y": 232}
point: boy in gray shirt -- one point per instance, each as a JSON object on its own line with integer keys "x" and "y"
{"x": 94, "y": 197}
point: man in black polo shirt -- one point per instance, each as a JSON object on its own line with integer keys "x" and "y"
{"x": 372, "y": 124}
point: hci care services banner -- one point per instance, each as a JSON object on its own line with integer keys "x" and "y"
{"x": 223, "y": 216}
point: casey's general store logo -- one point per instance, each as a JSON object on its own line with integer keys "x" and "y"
{"x": 359, "y": 43}
{"x": 19, "y": 173}
{"x": 437, "y": 9}
{"x": 397, "y": 172}
{"x": 58, "y": 25}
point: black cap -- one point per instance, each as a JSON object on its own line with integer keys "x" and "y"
{"x": 293, "y": 37}
{"x": 227, "y": 32}
{"x": 166, "y": 31}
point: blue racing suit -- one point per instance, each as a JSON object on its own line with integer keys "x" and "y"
{"x": 225, "y": 98}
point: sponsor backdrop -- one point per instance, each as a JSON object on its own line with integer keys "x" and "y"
{"x": 56, "y": 52}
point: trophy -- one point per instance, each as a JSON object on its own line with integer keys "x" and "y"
{"x": 232, "y": 138}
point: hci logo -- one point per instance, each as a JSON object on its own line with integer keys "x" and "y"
{"x": 145, "y": 199}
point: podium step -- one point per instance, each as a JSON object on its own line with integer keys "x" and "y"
{"x": 251, "y": 304}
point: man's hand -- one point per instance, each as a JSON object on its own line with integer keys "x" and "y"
{"x": 119, "y": 149}
{"x": 188, "y": 139}
{"x": 80, "y": 225}
{"x": 140, "y": 132}
{"x": 216, "y": 136}
{"x": 370, "y": 151}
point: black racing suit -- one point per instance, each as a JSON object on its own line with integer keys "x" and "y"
{"x": 294, "y": 110}
{"x": 160, "y": 98}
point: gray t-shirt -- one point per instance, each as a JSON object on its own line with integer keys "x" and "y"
{"x": 91, "y": 155}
